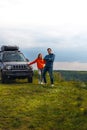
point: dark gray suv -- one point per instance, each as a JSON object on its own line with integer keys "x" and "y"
{"x": 14, "y": 65}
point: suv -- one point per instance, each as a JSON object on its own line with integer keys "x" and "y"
{"x": 14, "y": 65}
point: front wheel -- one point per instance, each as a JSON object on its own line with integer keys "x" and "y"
{"x": 30, "y": 79}
{"x": 3, "y": 78}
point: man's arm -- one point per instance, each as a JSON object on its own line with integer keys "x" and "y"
{"x": 49, "y": 58}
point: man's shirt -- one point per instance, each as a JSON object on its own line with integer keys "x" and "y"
{"x": 49, "y": 60}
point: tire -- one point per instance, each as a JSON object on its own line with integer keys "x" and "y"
{"x": 3, "y": 78}
{"x": 30, "y": 79}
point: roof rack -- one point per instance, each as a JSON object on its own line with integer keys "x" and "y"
{"x": 9, "y": 48}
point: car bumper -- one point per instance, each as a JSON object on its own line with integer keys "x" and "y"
{"x": 18, "y": 74}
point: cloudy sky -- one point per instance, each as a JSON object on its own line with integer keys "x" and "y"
{"x": 35, "y": 25}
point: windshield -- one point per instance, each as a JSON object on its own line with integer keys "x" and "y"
{"x": 13, "y": 56}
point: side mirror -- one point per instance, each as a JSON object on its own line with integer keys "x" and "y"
{"x": 27, "y": 59}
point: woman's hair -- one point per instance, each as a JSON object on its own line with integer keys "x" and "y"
{"x": 39, "y": 55}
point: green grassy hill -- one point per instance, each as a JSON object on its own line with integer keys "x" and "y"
{"x": 25, "y": 106}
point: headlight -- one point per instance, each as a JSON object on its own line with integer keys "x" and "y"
{"x": 8, "y": 67}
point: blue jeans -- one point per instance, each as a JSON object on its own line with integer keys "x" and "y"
{"x": 50, "y": 71}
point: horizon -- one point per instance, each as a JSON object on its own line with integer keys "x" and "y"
{"x": 67, "y": 66}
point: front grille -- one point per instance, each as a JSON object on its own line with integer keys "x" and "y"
{"x": 19, "y": 67}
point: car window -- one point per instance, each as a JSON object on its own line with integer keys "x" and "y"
{"x": 13, "y": 56}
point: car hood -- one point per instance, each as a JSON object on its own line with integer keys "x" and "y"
{"x": 15, "y": 63}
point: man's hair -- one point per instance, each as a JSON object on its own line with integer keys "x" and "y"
{"x": 49, "y": 49}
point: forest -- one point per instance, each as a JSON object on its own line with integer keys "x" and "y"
{"x": 72, "y": 75}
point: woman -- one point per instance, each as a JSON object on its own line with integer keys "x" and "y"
{"x": 40, "y": 65}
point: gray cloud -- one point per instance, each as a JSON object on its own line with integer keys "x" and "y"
{"x": 72, "y": 48}
{"x": 9, "y": 3}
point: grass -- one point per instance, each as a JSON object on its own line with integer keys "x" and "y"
{"x": 25, "y": 106}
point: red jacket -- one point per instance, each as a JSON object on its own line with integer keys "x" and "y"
{"x": 40, "y": 63}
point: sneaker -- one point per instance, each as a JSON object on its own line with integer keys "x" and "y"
{"x": 52, "y": 85}
{"x": 41, "y": 83}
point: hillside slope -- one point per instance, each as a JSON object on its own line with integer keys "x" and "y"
{"x": 25, "y": 106}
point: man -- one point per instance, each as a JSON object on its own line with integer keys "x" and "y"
{"x": 49, "y": 59}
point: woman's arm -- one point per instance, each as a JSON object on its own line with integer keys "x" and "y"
{"x": 30, "y": 63}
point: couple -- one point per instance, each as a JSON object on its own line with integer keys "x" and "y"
{"x": 45, "y": 65}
